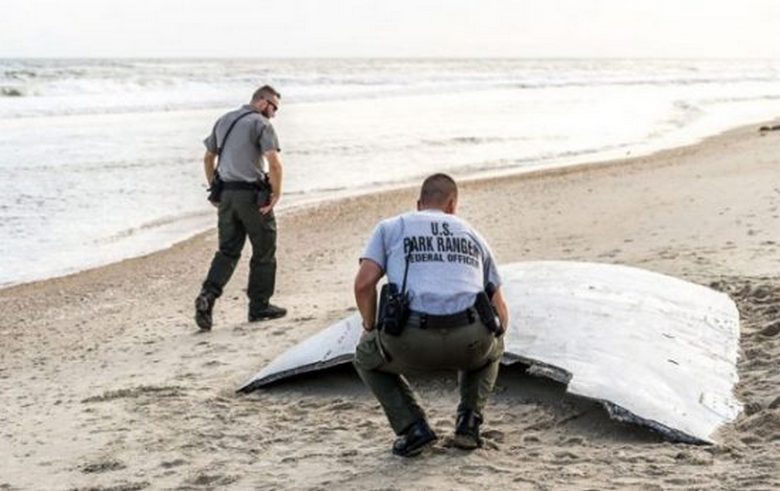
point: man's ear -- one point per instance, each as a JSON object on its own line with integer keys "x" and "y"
{"x": 452, "y": 205}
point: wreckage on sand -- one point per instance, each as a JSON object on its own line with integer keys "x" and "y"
{"x": 654, "y": 350}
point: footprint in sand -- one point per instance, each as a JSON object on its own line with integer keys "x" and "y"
{"x": 161, "y": 391}
{"x": 213, "y": 363}
{"x": 771, "y": 330}
{"x": 761, "y": 293}
{"x": 762, "y": 425}
{"x": 775, "y": 403}
{"x": 172, "y": 463}
{"x": 576, "y": 440}
{"x": 565, "y": 457}
{"x": 102, "y": 466}
{"x": 212, "y": 481}
{"x": 342, "y": 406}
{"x": 494, "y": 435}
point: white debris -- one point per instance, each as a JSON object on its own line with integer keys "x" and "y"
{"x": 655, "y": 350}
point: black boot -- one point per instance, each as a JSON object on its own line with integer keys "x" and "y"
{"x": 414, "y": 440}
{"x": 204, "y": 304}
{"x": 266, "y": 313}
{"x": 467, "y": 430}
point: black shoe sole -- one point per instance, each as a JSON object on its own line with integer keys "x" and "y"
{"x": 417, "y": 449}
{"x": 261, "y": 318}
{"x": 466, "y": 442}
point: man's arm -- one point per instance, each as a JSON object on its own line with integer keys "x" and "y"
{"x": 275, "y": 178}
{"x": 209, "y": 164}
{"x": 501, "y": 308}
{"x": 365, "y": 291}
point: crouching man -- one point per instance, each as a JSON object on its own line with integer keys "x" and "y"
{"x": 438, "y": 317}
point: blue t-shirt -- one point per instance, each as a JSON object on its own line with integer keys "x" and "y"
{"x": 449, "y": 261}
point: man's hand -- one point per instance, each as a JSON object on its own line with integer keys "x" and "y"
{"x": 275, "y": 178}
{"x": 365, "y": 291}
{"x": 501, "y": 308}
{"x": 270, "y": 206}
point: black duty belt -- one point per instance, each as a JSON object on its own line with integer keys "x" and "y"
{"x": 240, "y": 186}
{"x": 458, "y": 319}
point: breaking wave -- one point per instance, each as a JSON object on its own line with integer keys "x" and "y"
{"x": 67, "y": 87}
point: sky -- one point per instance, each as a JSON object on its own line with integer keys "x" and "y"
{"x": 397, "y": 28}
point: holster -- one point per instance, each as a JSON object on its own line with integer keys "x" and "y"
{"x": 215, "y": 189}
{"x": 264, "y": 191}
{"x": 393, "y": 310}
{"x": 487, "y": 313}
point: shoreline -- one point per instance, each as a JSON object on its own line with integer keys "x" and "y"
{"x": 107, "y": 384}
{"x": 325, "y": 197}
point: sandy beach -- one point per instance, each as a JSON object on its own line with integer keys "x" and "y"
{"x": 105, "y": 382}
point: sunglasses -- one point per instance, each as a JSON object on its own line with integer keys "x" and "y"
{"x": 276, "y": 108}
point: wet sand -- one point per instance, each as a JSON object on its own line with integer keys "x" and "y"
{"x": 105, "y": 382}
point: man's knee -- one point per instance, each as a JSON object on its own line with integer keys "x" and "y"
{"x": 229, "y": 253}
{"x": 498, "y": 349}
{"x": 368, "y": 354}
{"x": 263, "y": 256}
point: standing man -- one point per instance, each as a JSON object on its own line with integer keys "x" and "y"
{"x": 239, "y": 143}
{"x": 445, "y": 264}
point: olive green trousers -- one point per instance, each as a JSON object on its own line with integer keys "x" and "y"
{"x": 381, "y": 360}
{"x": 240, "y": 218}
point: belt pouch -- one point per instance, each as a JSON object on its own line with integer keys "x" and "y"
{"x": 215, "y": 190}
{"x": 263, "y": 197}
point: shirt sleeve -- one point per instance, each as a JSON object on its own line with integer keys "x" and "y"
{"x": 375, "y": 248}
{"x": 267, "y": 140}
{"x": 489, "y": 267}
{"x": 211, "y": 141}
{"x": 491, "y": 270}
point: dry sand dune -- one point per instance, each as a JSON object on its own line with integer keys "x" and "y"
{"x": 105, "y": 383}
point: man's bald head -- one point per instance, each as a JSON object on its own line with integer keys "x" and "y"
{"x": 438, "y": 191}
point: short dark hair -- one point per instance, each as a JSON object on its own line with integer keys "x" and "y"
{"x": 265, "y": 92}
{"x": 437, "y": 189}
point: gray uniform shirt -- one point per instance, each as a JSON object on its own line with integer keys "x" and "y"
{"x": 449, "y": 261}
{"x": 242, "y": 158}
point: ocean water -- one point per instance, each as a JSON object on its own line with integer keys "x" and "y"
{"x": 101, "y": 159}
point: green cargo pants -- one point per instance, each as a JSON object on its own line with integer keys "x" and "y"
{"x": 381, "y": 360}
{"x": 239, "y": 218}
